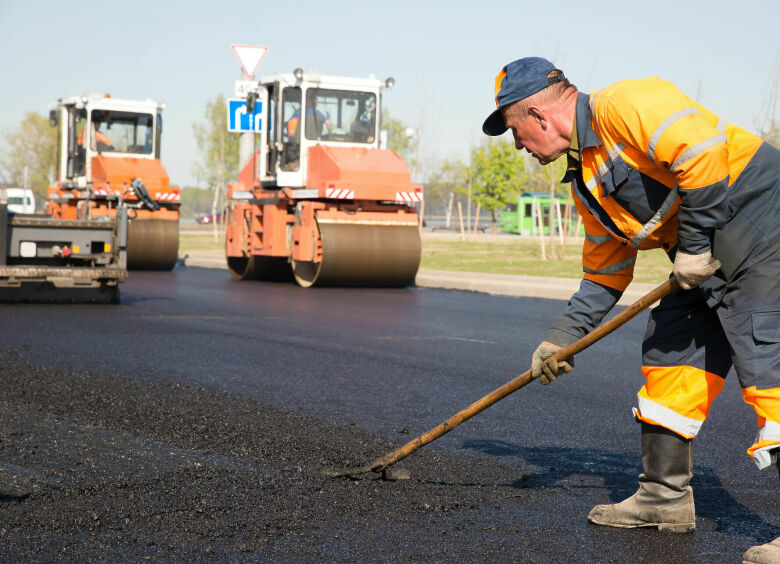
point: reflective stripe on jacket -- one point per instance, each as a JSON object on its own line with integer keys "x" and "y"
{"x": 100, "y": 137}
{"x": 655, "y": 171}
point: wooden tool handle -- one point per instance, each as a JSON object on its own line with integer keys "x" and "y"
{"x": 620, "y": 319}
{"x": 480, "y": 405}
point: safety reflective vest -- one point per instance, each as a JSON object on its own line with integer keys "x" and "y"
{"x": 655, "y": 170}
{"x": 100, "y": 137}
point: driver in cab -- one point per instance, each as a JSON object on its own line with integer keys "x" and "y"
{"x": 315, "y": 119}
{"x": 101, "y": 141}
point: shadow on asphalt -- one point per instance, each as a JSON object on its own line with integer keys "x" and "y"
{"x": 554, "y": 466}
{"x": 6, "y": 498}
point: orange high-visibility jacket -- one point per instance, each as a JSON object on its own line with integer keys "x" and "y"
{"x": 656, "y": 166}
{"x": 100, "y": 137}
{"x": 657, "y": 170}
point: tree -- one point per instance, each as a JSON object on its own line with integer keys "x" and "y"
{"x": 195, "y": 201}
{"x": 766, "y": 121}
{"x": 445, "y": 180}
{"x": 497, "y": 175}
{"x": 773, "y": 137}
{"x": 547, "y": 179}
{"x": 218, "y": 151}
{"x": 400, "y": 138}
{"x": 218, "y": 147}
{"x": 32, "y": 145}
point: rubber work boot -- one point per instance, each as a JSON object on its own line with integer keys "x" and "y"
{"x": 664, "y": 498}
{"x": 768, "y": 553}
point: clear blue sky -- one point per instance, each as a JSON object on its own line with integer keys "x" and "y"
{"x": 443, "y": 55}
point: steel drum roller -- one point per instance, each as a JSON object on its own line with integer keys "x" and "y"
{"x": 363, "y": 254}
{"x": 152, "y": 244}
{"x": 267, "y": 269}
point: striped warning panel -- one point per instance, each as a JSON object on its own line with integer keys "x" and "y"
{"x": 339, "y": 193}
{"x": 408, "y": 197}
{"x": 167, "y": 196}
{"x": 104, "y": 192}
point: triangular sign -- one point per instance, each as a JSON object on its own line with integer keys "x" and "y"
{"x": 249, "y": 57}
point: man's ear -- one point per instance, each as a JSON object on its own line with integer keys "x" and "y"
{"x": 536, "y": 113}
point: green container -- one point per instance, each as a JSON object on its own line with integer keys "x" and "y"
{"x": 521, "y": 216}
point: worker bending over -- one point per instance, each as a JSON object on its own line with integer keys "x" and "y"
{"x": 649, "y": 167}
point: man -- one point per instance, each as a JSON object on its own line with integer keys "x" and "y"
{"x": 101, "y": 141}
{"x": 315, "y": 119}
{"x": 651, "y": 168}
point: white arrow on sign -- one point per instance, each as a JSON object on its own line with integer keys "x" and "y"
{"x": 249, "y": 57}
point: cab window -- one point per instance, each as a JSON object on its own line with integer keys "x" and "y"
{"x": 121, "y": 132}
{"x": 291, "y": 128}
{"x": 338, "y": 115}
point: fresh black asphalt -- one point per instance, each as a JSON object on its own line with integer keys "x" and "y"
{"x": 190, "y": 422}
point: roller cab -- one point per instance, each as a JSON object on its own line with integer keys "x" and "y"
{"x": 109, "y": 153}
{"x": 319, "y": 201}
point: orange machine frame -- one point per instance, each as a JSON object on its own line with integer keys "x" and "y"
{"x": 112, "y": 177}
{"x": 344, "y": 184}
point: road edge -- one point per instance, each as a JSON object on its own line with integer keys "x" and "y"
{"x": 498, "y": 284}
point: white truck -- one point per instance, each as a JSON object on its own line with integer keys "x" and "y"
{"x": 19, "y": 200}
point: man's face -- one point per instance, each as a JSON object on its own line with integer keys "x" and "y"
{"x": 530, "y": 134}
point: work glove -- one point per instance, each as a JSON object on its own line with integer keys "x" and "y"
{"x": 692, "y": 270}
{"x": 546, "y": 368}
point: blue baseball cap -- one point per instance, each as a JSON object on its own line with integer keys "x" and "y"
{"x": 517, "y": 80}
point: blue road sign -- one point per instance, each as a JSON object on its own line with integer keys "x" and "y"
{"x": 238, "y": 118}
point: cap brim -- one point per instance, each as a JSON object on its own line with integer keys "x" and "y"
{"x": 494, "y": 124}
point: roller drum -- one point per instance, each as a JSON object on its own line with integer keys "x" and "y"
{"x": 152, "y": 244}
{"x": 363, "y": 254}
{"x": 258, "y": 267}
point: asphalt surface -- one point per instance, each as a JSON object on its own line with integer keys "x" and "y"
{"x": 497, "y": 284}
{"x": 192, "y": 422}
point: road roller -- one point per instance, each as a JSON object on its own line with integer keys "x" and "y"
{"x": 319, "y": 199}
{"x": 108, "y": 153}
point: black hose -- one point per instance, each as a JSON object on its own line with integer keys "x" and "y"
{"x": 143, "y": 195}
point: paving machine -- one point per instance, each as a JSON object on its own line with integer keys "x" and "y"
{"x": 319, "y": 200}
{"x": 108, "y": 150}
{"x": 52, "y": 260}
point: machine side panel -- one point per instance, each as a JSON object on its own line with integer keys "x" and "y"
{"x": 372, "y": 173}
{"x": 120, "y": 171}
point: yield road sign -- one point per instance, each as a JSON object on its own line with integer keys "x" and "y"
{"x": 239, "y": 120}
{"x": 249, "y": 57}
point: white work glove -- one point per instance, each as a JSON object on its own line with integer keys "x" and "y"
{"x": 546, "y": 368}
{"x": 692, "y": 270}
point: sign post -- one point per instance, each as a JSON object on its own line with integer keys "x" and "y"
{"x": 249, "y": 57}
{"x": 244, "y": 87}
